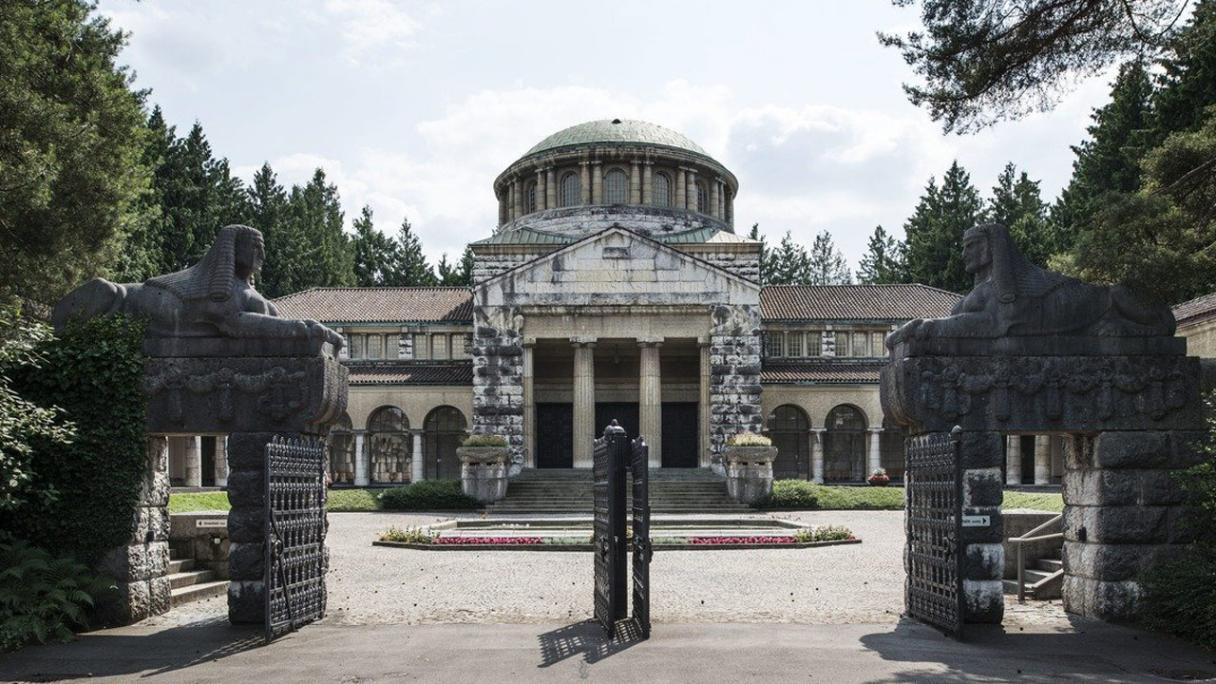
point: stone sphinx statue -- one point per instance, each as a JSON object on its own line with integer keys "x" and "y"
{"x": 1015, "y": 298}
{"x": 213, "y": 298}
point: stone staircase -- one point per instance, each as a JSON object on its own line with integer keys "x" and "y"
{"x": 672, "y": 490}
{"x": 186, "y": 584}
{"x": 1044, "y": 580}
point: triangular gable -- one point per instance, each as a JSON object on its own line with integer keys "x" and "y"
{"x": 616, "y": 267}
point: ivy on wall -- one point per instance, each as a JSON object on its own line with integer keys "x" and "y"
{"x": 92, "y": 373}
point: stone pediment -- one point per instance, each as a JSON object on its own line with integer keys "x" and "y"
{"x": 616, "y": 267}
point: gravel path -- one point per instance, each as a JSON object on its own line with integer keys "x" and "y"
{"x": 859, "y": 583}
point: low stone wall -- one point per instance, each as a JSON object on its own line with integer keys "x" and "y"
{"x": 202, "y": 536}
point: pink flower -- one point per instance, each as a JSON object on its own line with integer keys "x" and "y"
{"x": 716, "y": 540}
{"x": 461, "y": 541}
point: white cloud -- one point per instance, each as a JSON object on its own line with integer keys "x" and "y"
{"x": 369, "y": 25}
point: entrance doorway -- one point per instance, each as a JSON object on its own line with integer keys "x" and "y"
{"x": 554, "y": 435}
{"x": 680, "y": 420}
{"x": 443, "y": 431}
{"x": 625, "y": 414}
{"x": 844, "y": 446}
{"x": 790, "y": 430}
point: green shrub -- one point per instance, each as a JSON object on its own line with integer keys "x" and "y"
{"x": 793, "y": 494}
{"x": 92, "y": 373}
{"x": 351, "y": 500}
{"x": 824, "y": 533}
{"x": 1180, "y": 595}
{"x": 484, "y": 441}
{"x": 427, "y": 495}
{"x": 409, "y": 535}
{"x": 43, "y": 598}
{"x": 746, "y": 439}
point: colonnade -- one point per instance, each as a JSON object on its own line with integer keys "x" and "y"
{"x": 873, "y": 452}
{"x": 1014, "y": 458}
{"x": 363, "y": 457}
{"x": 192, "y": 461}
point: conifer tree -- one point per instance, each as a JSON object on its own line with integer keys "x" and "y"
{"x": 267, "y": 211}
{"x": 374, "y": 252}
{"x": 464, "y": 270}
{"x": 326, "y": 258}
{"x": 825, "y": 265}
{"x": 755, "y": 234}
{"x": 787, "y": 264}
{"x": 935, "y": 231}
{"x": 410, "y": 267}
{"x": 1187, "y": 85}
{"x": 1017, "y": 204}
{"x": 882, "y": 263}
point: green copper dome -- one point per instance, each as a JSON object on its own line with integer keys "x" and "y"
{"x": 617, "y": 131}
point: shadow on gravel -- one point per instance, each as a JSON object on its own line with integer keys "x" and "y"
{"x": 586, "y": 639}
{"x": 117, "y": 655}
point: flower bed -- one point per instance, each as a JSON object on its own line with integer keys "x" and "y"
{"x": 726, "y": 539}
{"x": 506, "y": 541}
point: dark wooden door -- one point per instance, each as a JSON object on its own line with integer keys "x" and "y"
{"x": 554, "y": 435}
{"x": 624, "y": 413}
{"x": 679, "y": 446}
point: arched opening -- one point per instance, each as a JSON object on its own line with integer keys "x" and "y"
{"x": 661, "y": 192}
{"x": 442, "y": 433}
{"x": 388, "y": 440}
{"x": 844, "y": 445}
{"x": 571, "y": 190}
{"x": 789, "y": 428}
{"x": 341, "y": 452}
{"x": 616, "y": 187}
{"x": 530, "y": 197}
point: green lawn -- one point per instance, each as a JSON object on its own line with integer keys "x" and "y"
{"x": 340, "y": 500}
{"x": 803, "y": 495}
{"x": 1053, "y": 501}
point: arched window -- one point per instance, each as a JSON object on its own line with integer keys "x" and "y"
{"x": 341, "y": 452}
{"x": 443, "y": 431}
{"x": 616, "y": 187}
{"x": 388, "y": 441}
{"x": 571, "y": 190}
{"x": 844, "y": 445}
{"x": 661, "y": 195}
{"x": 530, "y": 197}
{"x": 789, "y": 429}
{"x": 702, "y": 198}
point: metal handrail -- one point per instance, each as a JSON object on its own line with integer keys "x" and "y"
{"x": 1032, "y": 536}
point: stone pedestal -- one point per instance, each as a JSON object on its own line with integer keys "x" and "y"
{"x": 139, "y": 567}
{"x": 983, "y": 491}
{"x": 749, "y": 473}
{"x": 483, "y": 472}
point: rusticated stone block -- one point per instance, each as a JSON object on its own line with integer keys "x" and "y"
{"x": 1117, "y": 524}
{"x": 1114, "y": 562}
{"x": 246, "y": 561}
{"x": 1114, "y": 601}
{"x": 984, "y": 601}
{"x": 247, "y": 450}
{"x": 984, "y": 562}
{"x": 983, "y": 488}
{"x": 246, "y": 525}
{"x": 1142, "y": 449}
{"x": 982, "y": 450}
{"x": 246, "y": 602}
{"x": 246, "y": 488}
{"x": 993, "y": 533}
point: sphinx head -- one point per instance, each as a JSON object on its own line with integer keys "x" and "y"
{"x": 249, "y": 253}
{"x": 977, "y": 249}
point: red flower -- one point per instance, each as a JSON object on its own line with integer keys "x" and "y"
{"x": 712, "y": 541}
{"x": 460, "y": 541}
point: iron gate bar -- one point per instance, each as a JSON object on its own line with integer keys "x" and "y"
{"x": 294, "y": 554}
{"x": 934, "y": 518}
{"x": 642, "y": 549}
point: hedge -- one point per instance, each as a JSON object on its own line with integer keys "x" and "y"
{"x": 427, "y": 495}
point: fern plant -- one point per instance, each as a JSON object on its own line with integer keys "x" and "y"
{"x": 43, "y": 597}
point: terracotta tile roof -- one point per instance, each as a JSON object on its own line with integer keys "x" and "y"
{"x": 855, "y": 302}
{"x": 1195, "y": 310}
{"x": 821, "y": 372}
{"x": 412, "y": 374}
{"x": 380, "y": 304}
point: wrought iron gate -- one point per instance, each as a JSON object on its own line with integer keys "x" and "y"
{"x": 934, "y": 518}
{"x": 295, "y": 533}
{"x": 642, "y": 551}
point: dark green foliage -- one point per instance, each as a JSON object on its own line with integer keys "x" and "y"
{"x": 23, "y": 423}
{"x": 42, "y": 597}
{"x": 375, "y": 252}
{"x": 93, "y": 374}
{"x": 458, "y": 274}
{"x": 825, "y": 265}
{"x": 315, "y": 213}
{"x": 883, "y": 262}
{"x": 1187, "y": 85}
{"x": 1017, "y": 203}
{"x": 755, "y": 234}
{"x": 71, "y": 135}
{"x": 792, "y": 494}
{"x": 427, "y": 495}
{"x": 803, "y": 495}
{"x": 409, "y": 265}
{"x": 985, "y": 61}
{"x": 934, "y": 243}
{"x": 267, "y": 211}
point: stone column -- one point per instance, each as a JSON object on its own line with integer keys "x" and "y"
{"x": 529, "y": 405}
{"x": 585, "y": 182}
{"x": 550, "y": 188}
{"x": 1013, "y": 460}
{"x": 597, "y": 183}
{"x": 1042, "y": 459}
{"x": 514, "y": 201}
{"x": 692, "y": 189}
{"x": 584, "y": 400}
{"x": 650, "y": 399}
{"x": 417, "y": 466}
{"x": 635, "y": 183}
{"x": 361, "y": 459}
{"x": 875, "y": 450}
{"x": 817, "y": 455}
{"x": 540, "y": 189}
{"x": 706, "y": 458}
{"x": 221, "y": 460}
{"x": 713, "y": 199}
{"x": 647, "y": 188}
{"x": 681, "y": 199}
{"x": 729, "y": 209}
{"x": 194, "y": 461}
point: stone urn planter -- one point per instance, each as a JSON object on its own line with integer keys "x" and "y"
{"x": 749, "y": 472}
{"x": 483, "y": 472}
{"x": 879, "y": 478}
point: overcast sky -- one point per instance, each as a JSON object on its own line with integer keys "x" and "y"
{"x": 414, "y": 107}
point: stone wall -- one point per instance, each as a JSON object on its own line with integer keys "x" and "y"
{"x": 488, "y": 264}
{"x": 734, "y": 377}
{"x": 498, "y": 373}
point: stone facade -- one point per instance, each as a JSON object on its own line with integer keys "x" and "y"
{"x": 734, "y": 386}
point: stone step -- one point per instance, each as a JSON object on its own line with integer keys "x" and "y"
{"x": 181, "y": 565}
{"x": 1049, "y": 564}
{"x": 185, "y": 579}
{"x": 1035, "y": 576}
{"x": 197, "y": 592}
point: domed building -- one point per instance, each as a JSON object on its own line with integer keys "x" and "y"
{"x": 614, "y": 287}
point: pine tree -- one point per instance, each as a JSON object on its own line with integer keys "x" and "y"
{"x": 763, "y": 259}
{"x": 464, "y": 270}
{"x": 883, "y": 261}
{"x": 787, "y": 264}
{"x": 935, "y": 231}
{"x": 410, "y": 267}
{"x": 374, "y": 251}
{"x": 327, "y": 257}
{"x": 444, "y": 272}
{"x": 825, "y": 265}
{"x": 1017, "y": 203}
{"x": 1187, "y": 85}
{"x": 267, "y": 211}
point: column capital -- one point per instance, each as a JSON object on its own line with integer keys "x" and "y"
{"x": 529, "y": 342}
{"x": 874, "y": 429}
{"x": 818, "y": 430}
{"x": 585, "y": 340}
{"x": 649, "y": 341}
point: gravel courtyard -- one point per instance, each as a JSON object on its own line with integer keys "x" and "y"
{"x": 375, "y": 585}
